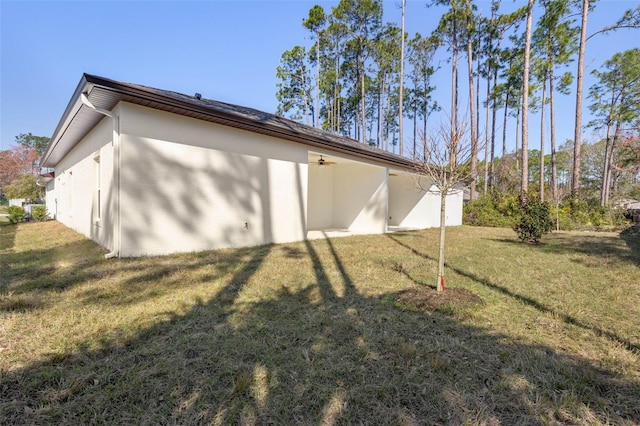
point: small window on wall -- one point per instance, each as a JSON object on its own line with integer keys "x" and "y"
{"x": 97, "y": 204}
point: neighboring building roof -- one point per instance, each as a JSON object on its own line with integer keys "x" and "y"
{"x": 45, "y": 178}
{"x": 633, "y": 206}
{"x": 628, "y": 204}
{"x": 77, "y": 120}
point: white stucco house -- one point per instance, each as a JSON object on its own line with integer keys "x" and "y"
{"x": 144, "y": 171}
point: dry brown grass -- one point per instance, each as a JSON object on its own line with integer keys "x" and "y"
{"x": 317, "y": 333}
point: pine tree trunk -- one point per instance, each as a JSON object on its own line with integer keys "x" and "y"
{"x": 386, "y": 114}
{"x": 472, "y": 114}
{"x": 608, "y": 154}
{"x": 424, "y": 122}
{"x": 400, "y": 114}
{"x": 316, "y": 112}
{"x": 604, "y": 191}
{"x": 612, "y": 184}
{"x": 486, "y": 137}
{"x": 306, "y": 97}
{"x": 504, "y": 139}
{"x": 493, "y": 124}
{"x": 363, "y": 105}
{"x": 379, "y": 129}
{"x": 525, "y": 100}
{"x": 336, "y": 94}
{"x": 454, "y": 80}
{"x": 554, "y": 164}
{"x": 518, "y": 146}
{"x": 575, "y": 181}
{"x": 542, "y": 111}
{"x": 478, "y": 97}
{"x": 415, "y": 131}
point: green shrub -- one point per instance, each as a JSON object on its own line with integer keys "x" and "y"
{"x": 535, "y": 219}
{"x": 503, "y": 209}
{"x": 16, "y": 214}
{"x": 576, "y": 215}
{"x": 39, "y": 213}
{"x": 597, "y": 216}
{"x": 562, "y": 216}
{"x": 494, "y": 209}
{"x": 482, "y": 212}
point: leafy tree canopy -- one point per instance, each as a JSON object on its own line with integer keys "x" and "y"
{"x": 37, "y": 143}
{"x": 24, "y": 187}
{"x": 16, "y": 161}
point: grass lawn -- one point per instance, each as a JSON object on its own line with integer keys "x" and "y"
{"x": 321, "y": 332}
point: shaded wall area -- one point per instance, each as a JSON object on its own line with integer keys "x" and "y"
{"x": 76, "y": 200}
{"x": 188, "y": 185}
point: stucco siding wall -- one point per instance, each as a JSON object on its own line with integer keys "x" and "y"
{"x": 50, "y": 198}
{"x": 410, "y": 206}
{"x": 75, "y": 198}
{"x": 453, "y": 213}
{"x": 360, "y": 197}
{"x": 189, "y": 185}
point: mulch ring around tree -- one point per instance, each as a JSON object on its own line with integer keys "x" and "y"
{"x": 428, "y": 300}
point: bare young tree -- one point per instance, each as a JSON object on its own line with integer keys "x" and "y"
{"x": 443, "y": 167}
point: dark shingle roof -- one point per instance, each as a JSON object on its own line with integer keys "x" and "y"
{"x": 78, "y": 120}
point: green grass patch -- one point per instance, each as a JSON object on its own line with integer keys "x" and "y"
{"x": 321, "y": 332}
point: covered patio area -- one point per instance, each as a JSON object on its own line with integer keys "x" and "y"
{"x": 346, "y": 196}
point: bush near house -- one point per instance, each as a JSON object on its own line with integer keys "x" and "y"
{"x": 16, "y": 214}
{"x": 39, "y": 213}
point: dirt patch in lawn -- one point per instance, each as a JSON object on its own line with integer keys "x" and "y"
{"x": 428, "y": 300}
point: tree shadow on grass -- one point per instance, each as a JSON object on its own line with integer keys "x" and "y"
{"x": 306, "y": 355}
{"x": 568, "y": 319}
{"x": 31, "y": 278}
{"x": 8, "y": 236}
{"x": 606, "y": 248}
{"x": 160, "y": 275}
{"x": 631, "y": 237}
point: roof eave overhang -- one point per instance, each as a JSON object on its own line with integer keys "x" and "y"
{"x": 109, "y": 92}
{"x": 72, "y": 107}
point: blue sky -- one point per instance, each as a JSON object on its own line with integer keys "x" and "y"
{"x": 225, "y": 50}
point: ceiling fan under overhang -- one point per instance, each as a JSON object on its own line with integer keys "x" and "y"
{"x": 322, "y": 162}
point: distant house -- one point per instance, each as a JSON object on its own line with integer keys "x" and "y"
{"x": 47, "y": 181}
{"x": 144, "y": 171}
{"x": 19, "y": 202}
